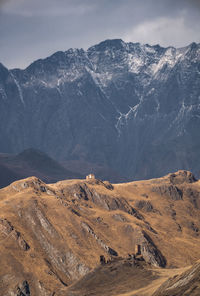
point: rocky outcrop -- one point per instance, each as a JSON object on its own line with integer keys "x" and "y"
{"x": 61, "y": 259}
{"x": 21, "y": 242}
{"x": 83, "y": 192}
{"x": 23, "y": 289}
{"x": 119, "y": 217}
{"x": 149, "y": 251}
{"x": 192, "y": 226}
{"x": 113, "y": 204}
{"x": 78, "y": 191}
{"x": 102, "y": 260}
{"x": 108, "y": 185}
{"x": 171, "y": 191}
{"x": 181, "y": 177}
{"x": 193, "y": 195}
{"x": 144, "y": 205}
{"x": 7, "y": 229}
{"x": 35, "y": 183}
{"x": 109, "y": 250}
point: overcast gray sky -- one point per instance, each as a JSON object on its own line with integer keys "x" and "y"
{"x": 32, "y": 29}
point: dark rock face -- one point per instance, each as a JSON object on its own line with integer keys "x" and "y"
{"x": 182, "y": 177}
{"x": 60, "y": 259}
{"x": 192, "y": 226}
{"x": 150, "y": 252}
{"x": 102, "y": 200}
{"x": 23, "y": 289}
{"x": 35, "y": 183}
{"x": 144, "y": 205}
{"x": 193, "y": 196}
{"x": 102, "y": 260}
{"x": 170, "y": 191}
{"x": 108, "y": 249}
{"x": 132, "y": 107}
{"x": 6, "y": 229}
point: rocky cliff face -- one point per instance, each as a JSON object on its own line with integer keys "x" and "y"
{"x": 132, "y": 107}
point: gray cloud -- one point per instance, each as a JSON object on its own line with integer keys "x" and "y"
{"x": 33, "y": 29}
{"x": 164, "y": 30}
{"x": 2, "y": 2}
{"x": 195, "y": 3}
{"x": 46, "y": 8}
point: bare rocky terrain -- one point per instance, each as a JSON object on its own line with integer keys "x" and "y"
{"x": 78, "y": 237}
{"x": 131, "y": 108}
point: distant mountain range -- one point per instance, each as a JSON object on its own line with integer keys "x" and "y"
{"x": 32, "y": 162}
{"x": 132, "y": 108}
{"x": 29, "y": 163}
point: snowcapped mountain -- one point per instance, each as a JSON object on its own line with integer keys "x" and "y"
{"x": 133, "y": 107}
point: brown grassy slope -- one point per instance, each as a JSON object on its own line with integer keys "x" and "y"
{"x": 187, "y": 283}
{"x": 52, "y": 235}
{"x": 114, "y": 278}
{"x": 122, "y": 279}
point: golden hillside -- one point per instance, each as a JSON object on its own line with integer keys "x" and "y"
{"x": 52, "y": 236}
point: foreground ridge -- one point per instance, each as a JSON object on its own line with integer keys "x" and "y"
{"x": 72, "y": 236}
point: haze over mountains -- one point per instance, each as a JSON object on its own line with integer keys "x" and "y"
{"x": 32, "y": 162}
{"x": 133, "y": 108}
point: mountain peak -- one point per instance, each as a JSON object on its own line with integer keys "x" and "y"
{"x": 109, "y": 43}
{"x": 29, "y": 152}
{"x": 100, "y": 105}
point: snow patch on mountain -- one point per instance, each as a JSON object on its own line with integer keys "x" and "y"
{"x": 18, "y": 87}
{"x": 101, "y": 79}
{"x": 135, "y": 63}
{"x": 118, "y": 103}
